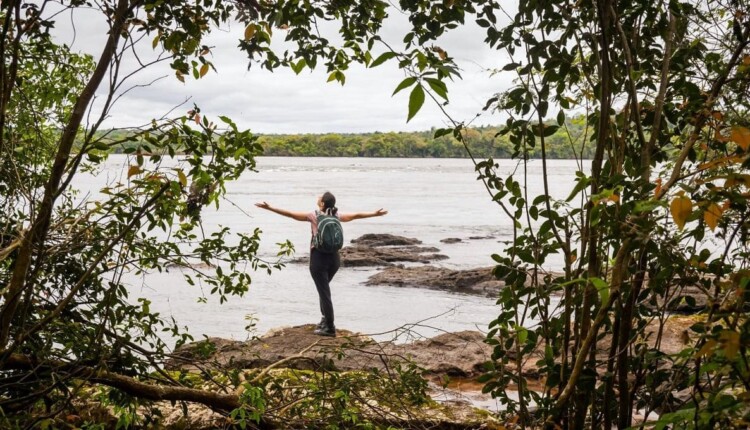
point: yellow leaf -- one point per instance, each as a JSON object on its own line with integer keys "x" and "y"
{"x": 706, "y": 348}
{"x": 180, "y": 77}
{"x": 731, "y": 342}
{"x": 183, "y": 179}
{"x": 711, "y": 215}
{"x": 249, "y": 31}
{"x": 681, "y": 208}
{"x": 155, "y": 42}
{"x": 204, "y": 70}
{"x": 134, "y": 170}
{"x": 741, "y": 136}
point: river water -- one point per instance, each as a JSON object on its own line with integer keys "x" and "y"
{"x": 428, "y": 199}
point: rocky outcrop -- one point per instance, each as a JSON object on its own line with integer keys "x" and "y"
{"x": 454, "y": 354}
{"x": 359, "y": 256}
{"x": 372, "y": 250}
{"x": 475, "y": 281}
{"x": 451, "y": 240}
{"x": 291, "y": 352}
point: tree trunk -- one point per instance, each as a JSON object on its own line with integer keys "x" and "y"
{"x": 41, "y": 221}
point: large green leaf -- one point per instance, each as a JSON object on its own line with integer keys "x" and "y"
{"x": 416, "y": 100}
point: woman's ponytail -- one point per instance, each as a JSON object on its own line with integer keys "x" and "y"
{"x": 329, "y": 204}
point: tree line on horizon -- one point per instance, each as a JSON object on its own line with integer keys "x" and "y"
{"x": 567, "y": 142}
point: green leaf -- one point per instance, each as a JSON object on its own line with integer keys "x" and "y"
{"x": 647, "y": 205}
{"x": 297, "y": 68}
{"x": 583, "y": 182}
{"x": 340, "y": 77}
{"x": 416, "y": 100}
{"x": 404, "y": 84}
{"x": 561, "y": 117}
{"x": 438, "y": 86}
{"x": 442, "y": 132}
{"x": 382, "y": 59}
{"x": 602, "y": 287}
{"x": 523, "y": 334}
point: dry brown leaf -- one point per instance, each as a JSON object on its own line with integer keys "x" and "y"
{"x": 134, "y": 170}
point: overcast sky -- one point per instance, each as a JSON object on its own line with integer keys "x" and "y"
{"x": 282, "y": 102}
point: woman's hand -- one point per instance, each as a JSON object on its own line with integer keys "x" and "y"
{"x": 381, "y": 212}
{"x": 263, "y": 205}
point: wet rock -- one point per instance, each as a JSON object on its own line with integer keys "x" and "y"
{"x": 474, "y": 281}
{"x": 481, "y": 237}
{"x": 451, "y": 240}
{"x": 373, "y": 239}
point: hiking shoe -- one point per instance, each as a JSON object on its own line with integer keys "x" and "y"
{"x": 325, "y": 331}
{"x": 321, "y": 325}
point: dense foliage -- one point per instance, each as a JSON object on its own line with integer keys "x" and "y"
{"x": 65, "y": 316}
{"x": 663, "y": 211}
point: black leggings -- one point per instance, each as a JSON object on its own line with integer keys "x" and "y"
{"x": 322, "y": 268}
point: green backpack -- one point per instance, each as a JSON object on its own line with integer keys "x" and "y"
{"x": 330, "y": 236}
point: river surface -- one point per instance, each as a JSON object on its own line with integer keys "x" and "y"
{"x": 428, "y": 199}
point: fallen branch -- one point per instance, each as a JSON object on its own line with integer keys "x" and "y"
{"x": 129, "y": 385}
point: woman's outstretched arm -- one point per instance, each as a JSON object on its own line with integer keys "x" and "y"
{"x": 299, "y": 216}
{"x": 360, "y": 215}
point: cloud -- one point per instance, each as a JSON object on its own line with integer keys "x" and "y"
{"x": 281, "y": 102}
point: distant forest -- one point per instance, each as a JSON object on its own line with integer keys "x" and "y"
{"x": 566, "y": 142}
